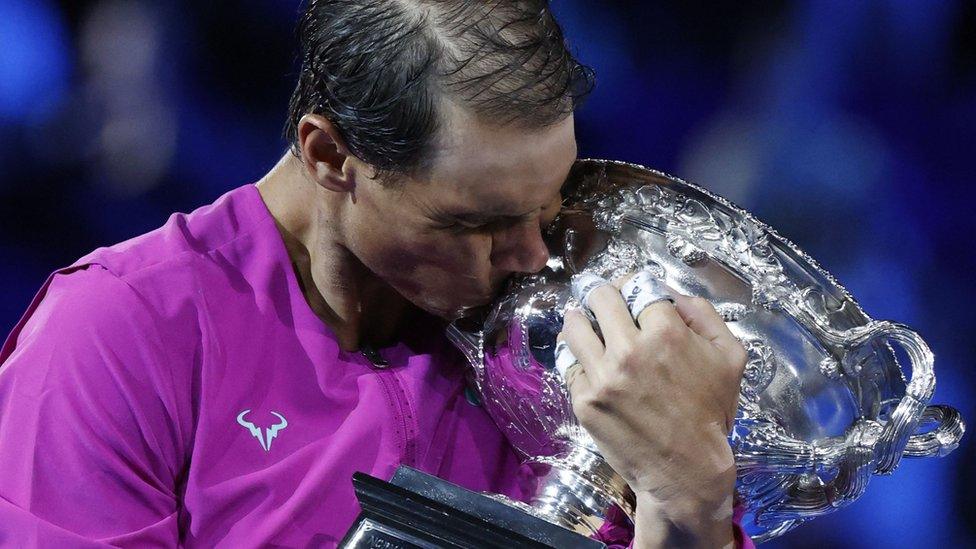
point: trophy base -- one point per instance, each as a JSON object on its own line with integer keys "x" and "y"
{"x": 417, "y": 510}
{"x": 579, "y": 490}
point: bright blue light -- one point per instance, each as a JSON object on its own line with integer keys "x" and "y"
{"x": 34, "y": 57}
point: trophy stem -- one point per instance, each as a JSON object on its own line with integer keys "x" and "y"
{"x": 578, "y": 489}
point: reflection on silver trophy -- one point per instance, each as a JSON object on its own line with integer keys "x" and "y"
{"x": 825, "y": 403}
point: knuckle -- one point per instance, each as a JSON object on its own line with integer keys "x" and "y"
{"x": 740, "y": 357}
{"x": 619, "y": 282}
{"x": 572, "y": 375}
{"x": 735, "y": 365}
{"x": 598, "y": 400}
{"x": 584, "y": 409}
{"x": 608, "y": 393}
{"x": 624, "y": 351}
{"x": 670, "y": 334}
{"x": 569, "y": 319}
{"x": 574, "y": 321}
{"x": 603, "y": 293}
{"x": 632, "y": 358}
{"x": 574, "y": 392}
{"x": 635, "y": 363}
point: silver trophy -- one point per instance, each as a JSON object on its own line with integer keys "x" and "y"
{"x": 824, "y": 403}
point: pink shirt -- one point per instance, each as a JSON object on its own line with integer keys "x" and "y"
{"x": 176, "y": 389}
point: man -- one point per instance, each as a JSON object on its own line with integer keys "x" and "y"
{"x": 218, "y": 380}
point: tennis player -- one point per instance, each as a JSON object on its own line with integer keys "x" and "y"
{"x": 217, "y": 381}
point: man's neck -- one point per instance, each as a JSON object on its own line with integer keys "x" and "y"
{"x": 358, "y": 307}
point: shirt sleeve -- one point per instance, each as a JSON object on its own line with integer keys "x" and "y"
{"x": 91, "y": 438}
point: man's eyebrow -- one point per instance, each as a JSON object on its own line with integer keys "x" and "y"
{"x": 476, "y": 217}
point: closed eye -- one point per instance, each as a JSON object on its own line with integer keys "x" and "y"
{"x": 474, "y": 222}
{"x": 460, "y": 226}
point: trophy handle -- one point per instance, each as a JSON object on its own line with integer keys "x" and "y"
{"x": 939, "y": 441}
{"x": 869, "y": 446}
{"x": 905, "y": 418}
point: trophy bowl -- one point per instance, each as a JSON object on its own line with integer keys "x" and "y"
{"x": 825, "y": 401}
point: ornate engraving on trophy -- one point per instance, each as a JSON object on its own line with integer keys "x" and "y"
{"x": 732, "y": 312}
{"x": 687, "y": 252}
{"x": 823, "y": 305}
{"x": 760, "y": 369}
{"x": 622, "y": 257}
{"x": 830, "y": 368}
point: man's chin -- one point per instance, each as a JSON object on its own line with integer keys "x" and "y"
{"x": 477, "y": 304}
{"x": 473, "y": 309}
{"x": 443, "y": 311}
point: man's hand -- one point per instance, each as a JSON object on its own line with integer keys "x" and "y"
{"x": 659, "y": 398}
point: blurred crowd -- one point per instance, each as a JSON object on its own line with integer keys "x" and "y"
{"x": 848, "y": 126}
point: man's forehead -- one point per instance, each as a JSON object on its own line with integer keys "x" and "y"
{"x": 504, "y": 171}
{"x": 482, "y": 209}
{"x": 501, "y": 197}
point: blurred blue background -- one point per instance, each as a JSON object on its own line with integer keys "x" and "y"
{"x": 848, "y": 126}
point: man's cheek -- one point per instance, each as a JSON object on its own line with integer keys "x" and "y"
{"x": 434, "y": 258}
{"x": 442, "y": 249}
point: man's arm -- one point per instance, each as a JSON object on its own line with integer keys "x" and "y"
{"x": 618, "y": 532}
{"x": 684, "y": 524}
{"x": 659, "y": 398}
{"x": 90, "y": 436}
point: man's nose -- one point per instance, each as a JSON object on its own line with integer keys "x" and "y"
{"x": 520, "y": 248}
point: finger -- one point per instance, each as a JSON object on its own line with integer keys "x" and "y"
{"x": 573, "y": 374}
{"x": 643, "y": 290}
{"x": 611, "y": 312}
{"x": 577, "y": 381}
{"x": 584, "y": 346}
{"x": 651, "y": 302}
{"x": 582, "y": 339}
{"x": 660, "y": 315}
{"x": 564, "y": 357}
{"x": 583, "y": 284}
{"x": 699, "y": 314}
{"x": 619, "y": 282}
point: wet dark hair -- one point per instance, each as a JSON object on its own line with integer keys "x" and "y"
{"x": 380, "y": 70}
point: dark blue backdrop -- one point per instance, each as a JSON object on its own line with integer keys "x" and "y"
{"x": 849, "y": 126}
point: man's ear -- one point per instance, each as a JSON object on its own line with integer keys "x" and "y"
{"x": 324, "y": 154}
